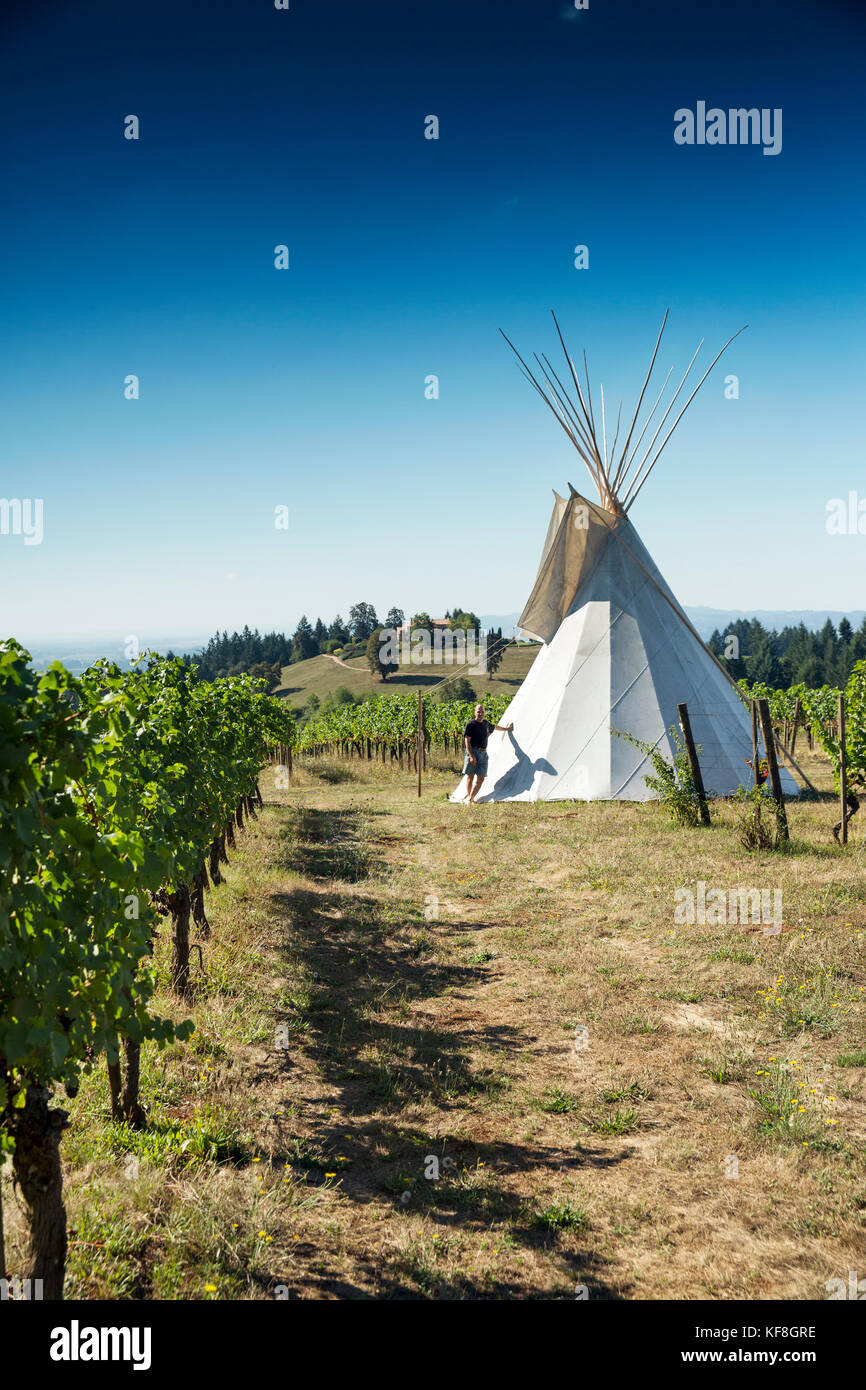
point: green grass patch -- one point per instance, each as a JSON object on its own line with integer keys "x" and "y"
{"x": 557, "y": 1102}
{"x": 852, "y": 1059}
{"x": 733, "y": 954}
{"x": 616, "y": 1122}
{"x": 561, "y": 1216}
{"x": 633, "y": 1092}
{"x": 212, "y": 1136}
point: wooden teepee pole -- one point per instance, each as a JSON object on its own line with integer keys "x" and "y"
{"x": 636, "y": 489}
{"x": 640, "y": 399}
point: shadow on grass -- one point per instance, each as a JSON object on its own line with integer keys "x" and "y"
{"x": 328, "y": 844}
{"x": 361, "y": 968}
{"x": 333, "y": 773}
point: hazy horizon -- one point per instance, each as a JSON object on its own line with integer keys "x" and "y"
{"x": 86, "y": 648}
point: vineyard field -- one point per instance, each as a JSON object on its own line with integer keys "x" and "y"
{"x": 393, "y": 982}
{"x": 397, "y": 1046}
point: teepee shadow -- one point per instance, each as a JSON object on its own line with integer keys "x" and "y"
{"x": 521, "y": 776}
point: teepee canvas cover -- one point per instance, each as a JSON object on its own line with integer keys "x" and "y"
{"x": 618, "y": 653}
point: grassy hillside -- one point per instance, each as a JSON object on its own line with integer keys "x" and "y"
{"x": 398, "y": 987}
{"x": 321, "y": 675}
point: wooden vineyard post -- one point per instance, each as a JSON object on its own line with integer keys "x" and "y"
{"x": 773, "y": 766}
{"x": 843, "y": 774}
{"x": 695, "y": 766}
{"x": 2, "y": 1239}
{"x": 419, "y": 757}
{"x": 796, "y": 725}
{"x": 755, "y": 743}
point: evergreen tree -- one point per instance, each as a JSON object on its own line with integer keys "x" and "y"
{"x": 732, "y": 641}
{"x": 303, "y": 642}
{"x": 362, "y": 621}
{"x": 338, "y": 632}
{"x": 762, "y": 664}
{"x": 857, "y": 650}
{"x": 827, "y": 651}
{"x": 395, "y": 618}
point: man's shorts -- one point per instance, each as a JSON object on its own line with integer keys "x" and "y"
{"x": 479, "y": 767}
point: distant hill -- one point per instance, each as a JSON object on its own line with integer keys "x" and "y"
{"x": 322, "y": 674}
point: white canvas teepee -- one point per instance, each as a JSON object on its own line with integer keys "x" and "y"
{"x": 618, "y": 653}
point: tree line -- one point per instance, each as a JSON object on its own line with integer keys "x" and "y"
{"x": 794, "y": 656}
{"x": 264, "y": 655}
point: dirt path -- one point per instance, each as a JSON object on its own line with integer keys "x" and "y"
{"x": 589, "y": 1070}
{"x": 338, "y": 661}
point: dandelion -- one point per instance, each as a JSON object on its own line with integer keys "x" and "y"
{"x": 210, "y": 1288}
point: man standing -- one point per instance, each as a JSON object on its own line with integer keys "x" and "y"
{"x": 475, "y": 737}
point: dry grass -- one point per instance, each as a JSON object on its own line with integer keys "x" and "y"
{"x": 501, "y": 996}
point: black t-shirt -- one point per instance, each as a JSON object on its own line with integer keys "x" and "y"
{"x": 477, "y": 731}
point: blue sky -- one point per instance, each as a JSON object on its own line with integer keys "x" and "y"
{"x": 305, "y": 387}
